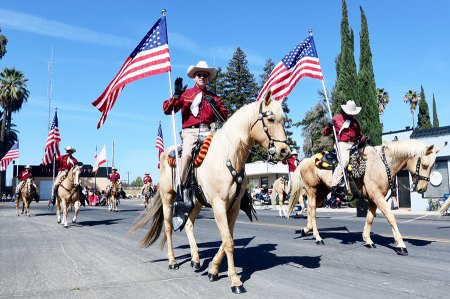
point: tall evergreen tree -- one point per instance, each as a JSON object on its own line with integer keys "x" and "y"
{"x": 423, "y": 118}
{"x": 435, "y": 116}
{"x": 239, "y": 83}
{"x": 346, "y": 80}
{"x": 367, "y": 90}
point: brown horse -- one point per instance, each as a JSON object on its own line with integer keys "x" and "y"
{"x": 68, "y": 193}
{"x": 114, "y": 194}
{"x": 219, "y": 176}
{"x": 26, "y": 195}
{"x": 149, "y": 190}
{"x": 381, "y": 162}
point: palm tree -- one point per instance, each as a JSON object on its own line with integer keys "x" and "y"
{"x": 3, "y": 42}
{"x": 413, "y": 98}
{"x": 383, "y": 100}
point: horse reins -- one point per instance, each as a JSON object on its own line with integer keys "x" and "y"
{"x": 392, "y": 185}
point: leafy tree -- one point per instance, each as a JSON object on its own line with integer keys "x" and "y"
{"x": 346, "y": 80}
{"x": 137, "y": 182}
{"x": 435, "y": 116}
{"x": 412, "y": 98}
{"x": 382, "y": 100}
{"x": 367, "y": 91}
{"x": 3, "y": 42}
{"x": 423, "y": 118}
{"x": 239, "y": 83}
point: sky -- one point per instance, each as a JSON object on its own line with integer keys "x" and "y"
{"x": 91, "y": 40}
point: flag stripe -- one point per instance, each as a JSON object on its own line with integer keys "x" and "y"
{"x": 12, "y": 154}
{"x": 52, "y": 144}
{"x": 301, "y": 62}
{"x": 150, "y": 57}
{"x": 159, "y": 142}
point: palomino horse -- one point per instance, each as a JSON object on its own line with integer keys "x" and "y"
{"x": 220, "y": 178}
{"x": 113, "y": 200}
{"x": 382, "y": 165}
{"x": 26, "y": 195}
{"x": 149, "y": 190}
{"x": 280, "y": 190}
{"x": 68, "y": 193}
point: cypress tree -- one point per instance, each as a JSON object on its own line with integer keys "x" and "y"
{"x": 346, "y": 80}
{"x": 369, "y": 115}
{"x": 423, "y": 118}
{"x": 239, "y": 83}
{"x": 435, "y": 116}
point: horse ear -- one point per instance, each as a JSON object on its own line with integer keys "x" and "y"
{"x": 267, "y": 98}
{"x": 430, "y": 150}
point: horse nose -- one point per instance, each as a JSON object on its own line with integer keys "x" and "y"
{"x": 285, "y": 151}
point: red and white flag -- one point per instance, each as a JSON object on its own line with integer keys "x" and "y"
{"x": 150, "y": 57}
{"x": 99, "y": 159}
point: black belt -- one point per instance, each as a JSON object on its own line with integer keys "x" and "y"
{"x": 198, "y": 126}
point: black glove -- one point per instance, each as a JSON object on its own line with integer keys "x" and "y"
{"x": 211, "y": 101}
{"x": 179, "y": 89}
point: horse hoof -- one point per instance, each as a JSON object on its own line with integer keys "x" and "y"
{"x": 59, "y": 221}
{"x": 320, "y": 242}
{"x": 367, "y": 245}
{"x": 66, "y": 226}
{"x": 401, "y": 251}
{"x": 238, "y": 289}
{"x": 174, "y": 267}
{"x": 302, "y": 233}
{"x": 195, "y": 265}
{"x": 214, "y": 277}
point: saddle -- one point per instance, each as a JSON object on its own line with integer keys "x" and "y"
{"x": 198, "y": 153}
{"x": 328, "y": 160}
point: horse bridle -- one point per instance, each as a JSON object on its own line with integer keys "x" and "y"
{"x": 416, "y": 177}
{"x": 271, "y": 150}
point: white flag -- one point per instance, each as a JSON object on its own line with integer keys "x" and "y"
{"x": 100, "y": 159}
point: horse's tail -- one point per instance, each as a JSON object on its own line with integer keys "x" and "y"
{"x": 444, "y": 207}
{"x": 273, "y": 197}
{"x": 156, "y": 214}
{"x": 296, "y": 190}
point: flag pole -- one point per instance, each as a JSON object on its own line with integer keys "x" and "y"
{"x": 96, "y": 169}
{"x": 338, "y": 151}
{"x": 177, "y": 166}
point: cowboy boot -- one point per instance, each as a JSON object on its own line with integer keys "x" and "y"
{"x": 338, "y": 192}
{"x": 182, "y": 209}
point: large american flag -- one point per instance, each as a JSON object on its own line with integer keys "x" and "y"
{"x": 159, "y": 142}
{"x": 150, "y": 57}
{"x": 301, "y": 61}
{"x": 52, "y": 145}
{"x": 12, "y": 154}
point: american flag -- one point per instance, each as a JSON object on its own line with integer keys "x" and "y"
{"x": 301, "y": 61}
{"x": 12, "y": 154}
{"x": 52, "y": 145}
{"x": 159, "y": 142}
{"x": 150, "y": 57}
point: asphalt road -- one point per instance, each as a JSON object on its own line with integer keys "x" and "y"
{"x": 94, "y": 259}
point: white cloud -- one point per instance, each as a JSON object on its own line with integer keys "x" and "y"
{"x": 30, "y": 23}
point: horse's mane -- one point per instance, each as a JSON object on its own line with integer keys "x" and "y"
{"x": 405, "y": 148}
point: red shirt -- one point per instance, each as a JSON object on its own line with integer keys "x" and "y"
{"x": 66, "y": 162}
{"x": 350, "y": 133}
{"x": 147, "y": 179}
{"x": 24, "y": 175}
{"x": 205, "y": 114}
{"x": 292, "y": 163}
{"x": 114, "y": 176}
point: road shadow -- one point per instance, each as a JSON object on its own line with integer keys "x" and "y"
{"x": 99, "y": 222}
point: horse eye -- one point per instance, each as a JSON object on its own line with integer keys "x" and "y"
{"x": 271, "y": 120}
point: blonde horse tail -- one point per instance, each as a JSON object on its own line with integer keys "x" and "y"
{"x": 444, "y": 207}
{"x": 296, "y": 188}
{"x": 156, "y": 215}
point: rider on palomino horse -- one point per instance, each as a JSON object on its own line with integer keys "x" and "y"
{"x": 23, "y": 176}
{"x": 348, "y": 133}
{"x": 292, "y": 163}
{"x": 200, "y": 109}
{"x": 147, "y": 181}
{"x": 65, "y": 163}
{"x": 113, "y": 177}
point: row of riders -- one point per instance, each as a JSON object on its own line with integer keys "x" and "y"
{"x": 215, "y": 177}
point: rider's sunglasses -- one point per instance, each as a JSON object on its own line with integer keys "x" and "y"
{"x": 202, "y": 75}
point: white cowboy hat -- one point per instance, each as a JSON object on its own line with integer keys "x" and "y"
{"x": 28, "y": 167}
{"x": 350, "y": 108}
{"x": 201, "y": 66}
{"x": 294, "y": 152}
{"x": 69, "y": 148}
{"x": 114, "y": 168}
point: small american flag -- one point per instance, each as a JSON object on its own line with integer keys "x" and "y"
{"x": 52, "y": 145}
{"x": 301, "y": 61}
{"x": 12, "y": 154}
{"x": 150, "y": 57}
{"x": 159, "y": 142}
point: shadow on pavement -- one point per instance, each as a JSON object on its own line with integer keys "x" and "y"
{"x": 99, "y": 222}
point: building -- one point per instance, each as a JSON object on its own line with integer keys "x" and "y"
{"x": 263, "y": 173}
{"x": 43, "y": 178}
{"x": 439, "y": 137}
